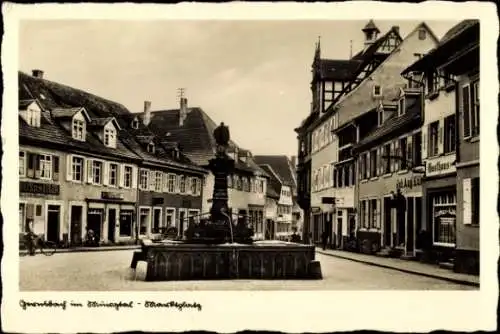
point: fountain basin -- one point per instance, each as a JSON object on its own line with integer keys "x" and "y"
{"x": 174, "y": 260}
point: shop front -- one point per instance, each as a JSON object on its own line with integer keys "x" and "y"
{"x": 440, "y": 205}
{"x": 41, "y": 210}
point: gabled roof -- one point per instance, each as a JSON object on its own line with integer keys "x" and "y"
{"x": 62, "y": 113}
{"x": 103, "y": 121}
{"x": 281, "y": 165}
{"x": 370, "y": 26}
{"x": 273, "y": 184}
{"x": 342, "y": 70}
{"x": 195, "y": 136}
{"x": 23, "y": 104}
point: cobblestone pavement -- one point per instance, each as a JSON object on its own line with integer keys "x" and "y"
{"x": 108, "y": 271}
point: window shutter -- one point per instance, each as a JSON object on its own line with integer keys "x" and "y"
{"x": 151, "y": 180}
{"x": 37, "y": 166}
{"x": 409, "y": 152}
{"x": 177, "y": 183}
{"x": 379, "y": 215}
{"x": 90, "y": 172}
{"x": 392, "y": 154}
{"x": 187, "y": 181}
{"x": 55, "y": 168}
{"x": 69, "y": 168}
{"x": 164, "y": 179}
{"x": 441, "y": 136}
{"x": 424, "y": 144}
{"x": 397, "y": 153}
{"x": 105, "y": 173}
{"x": 368, "y": 164}
{"x": 30, "y": 169}
{"x": 121, "y": 175}
{"x": 134, "y": 176}
{"x": 466, "y": 110}
{"x": 467, "y": 201}
{"x": 380, "y": 170}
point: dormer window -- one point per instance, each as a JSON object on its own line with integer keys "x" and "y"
{"x": 110, "y": 138}
{"x": 135, "y": 124}
{"x": 34, "y": 117}
{"x": 401, "y": 106}
{"x": 151, "y": 148}
{"x": 78, "y": 129}
{"x": 30, "y": 111}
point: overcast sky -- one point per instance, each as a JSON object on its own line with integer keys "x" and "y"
{"x": 252, "y": 75}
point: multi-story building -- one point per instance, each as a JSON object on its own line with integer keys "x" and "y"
{"x": 342, "y": 91}
{"x": 281, "y": 172}
{"x": 192, "y": 129}
{"x": 450, "y": 75}
{"x": 75, "y": 172}
{"x": 170, "y": 186}
{"x": 389, "y": 190}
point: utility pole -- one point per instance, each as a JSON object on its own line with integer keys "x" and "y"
{"x": 180, "y": 93}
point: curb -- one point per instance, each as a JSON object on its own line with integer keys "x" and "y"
{"x": 408, "y": 271}
{"x": 96, "y": 249}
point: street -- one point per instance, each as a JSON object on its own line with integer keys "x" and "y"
{"x": 110, "y": 271}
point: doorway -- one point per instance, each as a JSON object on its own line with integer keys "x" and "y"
{"x": 76, "y": 225}
{"x": 387, "y": 222}
{"x": 182, "y": 223}
{"x": 410, "y": 224}
{"x": 339, "y": 232}
{"x": 94, "y": 219}
{"x": 111, "y": 224}
{"x": 53, "y": 220}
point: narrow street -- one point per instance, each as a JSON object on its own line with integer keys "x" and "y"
{"x": 109, "y": 271}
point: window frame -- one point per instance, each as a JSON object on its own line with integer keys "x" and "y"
{"x": 131, "y": 168}
{"x": 82, "y": 166}
{"x": 110, "y": 137}
{"x": 433, "y": 147}
{"x": 24, "y": 163}
{"x": 143, "y": 172}
{"x": 95, "y": 163}
{"x": 78, "y": 129}
{"x": 110, "y": 168}
{"x": 43, "y": 160}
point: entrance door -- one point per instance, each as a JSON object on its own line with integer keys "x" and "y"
{"x": 53, "y": 220}
{"x": 182, "y": 222}
{"x": 94, "y": 219}
{"x": 339, "y": 232}
{"x": 76, "y": 225}
{"x": 410, "y": 225}
{"x": 387, "y": 222}
{"x": 111, "y": 224}
{"x": 418, "y": 218}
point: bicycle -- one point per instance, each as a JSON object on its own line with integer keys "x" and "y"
{"x": 47, "y": 248}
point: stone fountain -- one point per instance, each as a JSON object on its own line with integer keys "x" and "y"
{"x": 218, "y": 248}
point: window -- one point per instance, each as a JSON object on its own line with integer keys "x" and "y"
{"x": 373, "y": 213}
{"x": 22, "y": 163}
{"x": 377, "y": 91}
{"x": 194, "y": 185}
{"x": 77, "y": 169}
{"x": 158, "y": 179}
{"x": 380, "y": 115}
{"x": 432, "y": 82}
{"x": 403, "y": 142}
{"x": 387, "y": 159}
{"x": 422, "y": 34}
{"x": 470, "y": 105}
{"x": 401, "y": 106}
{"x": 151, "y": 148}
{"x": 110, "y": 137}
{"x": 143, "y": 220}
{"x": 171, "y": 183}
{"x": 127, "y": 177}
{"x": 182, "y": 184}
{"x": 449, "y": 134}
{"x": 78, "y": 129}
{"x": 229, "y": 181}
{"x": 433, "y": 139}
{"x": 96, "y": 172}
{"x": 113, "y": 175}
{"x": 475, "y": 200}
{"x": 135, "y": 124}
{"x": 373, "y": 163}
{"x": 170, "y": 217}
{"x": 45, "y": 166}
{"x": 444, "y": 217}
{"x": 364, "y": 214}
{"x": 245, "y": 184}
{"x": 364, "y": 158}
{"x": 38, "y": 210}
{"x": 144, "y": 179}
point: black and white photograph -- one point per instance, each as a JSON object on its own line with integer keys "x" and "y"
{"x": 175, "y": 155}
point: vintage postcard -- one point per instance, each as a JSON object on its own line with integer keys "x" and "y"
{"x": 228, "y": 167}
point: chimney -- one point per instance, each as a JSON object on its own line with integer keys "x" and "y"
{"x": 395, "y": 28}
{"x": 183, "y": 111}
{"x": 38, "y": 74}
{"x": 147, "y": 113}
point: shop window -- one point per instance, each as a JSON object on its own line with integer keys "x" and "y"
{"x": 170, "y": 217}
{"x": 126, "y": 222}
{"x": 444, "y": 217}
{"x": 449, "y": 134}
{"x": 433, "y": 139}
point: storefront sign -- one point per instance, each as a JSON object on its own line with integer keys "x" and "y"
{"x": 39, "y": 188}
{"x": 409, "y": 183}
{"x": 111, "y": 195}
{"x": 440, "y": 166}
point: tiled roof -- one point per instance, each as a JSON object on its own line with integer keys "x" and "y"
{"x": 457, "y": 30}
{"x": 23, "y": 104}
{"x": 99, "y": 122}
{"x": 64, "y": 112}
{"x": 274, "y": 184}
{"x": 281, "y": 166}
{"x": 393, "y": 124}
{"x": 338, "y": 69}
{"x": 195, "y": 136}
